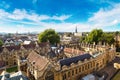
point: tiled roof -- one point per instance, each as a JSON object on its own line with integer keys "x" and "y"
{"x": 10, "y": 48}
{"x": 38, "y": 61}
{"x": 30, "y": 46}
{"x": 68, "y": 61}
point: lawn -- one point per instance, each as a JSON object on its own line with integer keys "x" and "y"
{"x": 12, "y": 69}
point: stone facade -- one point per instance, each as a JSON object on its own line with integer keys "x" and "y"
{"x": 71, "y": 68}
{"x": 10, "y": 54}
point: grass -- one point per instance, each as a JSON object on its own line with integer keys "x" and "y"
{"x": 12, "y": 69}
{"x": 117, "y": 76}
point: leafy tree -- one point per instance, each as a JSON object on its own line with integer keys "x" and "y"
{"x": 94, "y": 36}
{"x": 82, "y": 38}
{"x": 1, "y": 43}
{"x": 108, "y": 38}
{"x": 49, "y": 35}
{"x": 97, "y": 35}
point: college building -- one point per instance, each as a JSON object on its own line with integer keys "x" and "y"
{"x": 76, "y": 61}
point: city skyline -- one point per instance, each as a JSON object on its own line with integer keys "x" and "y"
{"x": 63, "y": 15}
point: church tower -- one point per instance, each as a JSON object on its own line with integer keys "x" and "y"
{"x": 76, "y": 29}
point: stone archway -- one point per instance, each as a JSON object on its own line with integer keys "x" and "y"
{"x": 49, "y": 75}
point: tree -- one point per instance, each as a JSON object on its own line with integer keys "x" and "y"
{"x": 108, "y": 38}
{"x": 82, "y": 38}
{"x": 49, "y": 35}
{"x": 97, "y": 35}
{"x": 1, "y": 43}
{"x": 94, "y": 36}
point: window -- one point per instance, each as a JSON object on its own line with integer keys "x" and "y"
{"x": 80, "y": 69}
{"x": 69, "y": 74}
{"x": 64, "y": 76}
{"x": 76, "y": 71}
{"x": 88, "y": 65}
{"x": 72, "y": 72}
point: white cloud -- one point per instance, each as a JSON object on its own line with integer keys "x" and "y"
{"x": 106, "y": 18}
{"x": 100, "y": 19}
{"x": 18, "y": 14}
{"x": 61, "y": 18}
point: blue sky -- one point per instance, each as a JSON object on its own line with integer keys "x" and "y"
{"x": 61, "y": 15}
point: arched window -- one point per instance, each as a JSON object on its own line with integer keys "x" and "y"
{"x": 64, "y": 76}
{"x": 80, "y": 69}
{"x": 69, "y": 74}
{"x": 76, "y": 71}
{"x": 72, "y": 72}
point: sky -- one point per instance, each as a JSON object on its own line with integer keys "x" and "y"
{"x": 62, "y": 15}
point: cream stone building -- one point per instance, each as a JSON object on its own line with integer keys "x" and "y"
{"x": 10, "y": 54}
{"x": 94, "y": 58}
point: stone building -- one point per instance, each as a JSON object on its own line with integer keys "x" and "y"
{"x": 10, "y": 54}
{"x": 40, "y": 67}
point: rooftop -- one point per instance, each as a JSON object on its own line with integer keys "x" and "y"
{"x": 75, "y": 59}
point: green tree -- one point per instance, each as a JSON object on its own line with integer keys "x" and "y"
{"x": 82, "y": 38}
{"x": 49, "y": 35}
{"x": 97, "y": 35}
{"x": 108, "y": 38}
{"x": 94, "y": 36}
{"x": 1, "y": 43}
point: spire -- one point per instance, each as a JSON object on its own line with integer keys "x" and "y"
{"x": 76, "y": 29}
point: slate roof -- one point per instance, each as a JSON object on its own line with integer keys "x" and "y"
{"x": 75, "y": 59}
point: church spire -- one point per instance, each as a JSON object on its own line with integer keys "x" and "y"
{"x": 76, "y": 29}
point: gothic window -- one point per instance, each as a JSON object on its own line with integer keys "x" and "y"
{"x": 64, "y": 76}
{"x": 72, "y": 72}
{"x": 85, "y": 67}
{"x": 14, "y": 63}
{"x": 76, "y": 71}
{"x": 69, "y": 74}
{"x": 80, "y": 69}
{"x": 91, "y": 64}
{"x": 88, "y": 65}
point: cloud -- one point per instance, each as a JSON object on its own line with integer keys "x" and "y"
{"x": 103, "y": 18}
{"x": 61, "y": 18}
{"x": 109, "y": 17}
{"x": 18, "y": 14}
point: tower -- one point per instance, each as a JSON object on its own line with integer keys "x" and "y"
{"x": 76, "y": 29}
